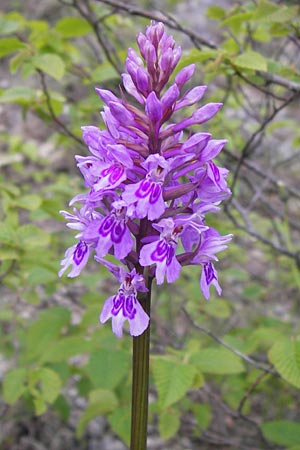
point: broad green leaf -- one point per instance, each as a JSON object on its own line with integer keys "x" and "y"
{"x": 251, "y": 60}
{"x": 218, "y": 361}
{"x": 65, "y": 348}
{"x": 10, "y": 45}
{"x": 236, "y": 21}
{"x": 284, "y": 14}
{"x": 264, "y": 10}
{"x": 282, "y": 432}
{"x": 168, "y": 424}
{"x": 30, "y": 202}
{"x": 172, "y": 379}
{"x": 62, "y": 407}
{"x": 106, "y": 369}
{"x": 101, "y": 402}
{"x": 19, "y": 94}
{"x": 40, "y": 405}
{"x": 71, "y": 27}
{"x": 203, "y": 414}
{"x": 217, "y": 308}
{"x": 51, "y": 64}
{"x": 14, "y": 385}
{"x": 40, "y": 275}
{"x": 7, "y": 234}
{"x": 32, "y": 236}
{"x": 8, "y": 26}
{"x": 120, "y": 421}
{"x": 215, "y": 13}
{"x": 285, "y": 355}
{"x": 49, "y": 383}
{"x": 44, "y": 330}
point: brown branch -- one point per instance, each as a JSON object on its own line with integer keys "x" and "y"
{"x": 249, "y": 391}
{"x": 51, "y": 111}
{"x": 248, "y": 147}
{"x": 241, "y": 355}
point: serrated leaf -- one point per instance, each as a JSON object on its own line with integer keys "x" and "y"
{"x": 282, "y": 432}
{"x": 168, "y": 424}
{"x": 217, "y": 361}
{"x": 14, "y": 385}
{"x": 71, "y": 27}
{"x": 101, "y": 402}
{"x": 120, "y": 421}
{"x": 285, "y": 356}
{"x": 65, "y": 348}
{"x": 106, "y": 369}
{"x": 172, "y": 379}
{"x": 251, "y": 60}
{"x": 10, "y": 45}
{"x": 51, "y": 64}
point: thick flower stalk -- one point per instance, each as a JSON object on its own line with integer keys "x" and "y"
{"x": 150, "y": 183}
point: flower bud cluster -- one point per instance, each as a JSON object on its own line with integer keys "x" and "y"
{"x": 149, "y": 186}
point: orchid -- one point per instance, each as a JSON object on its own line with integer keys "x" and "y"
{"x": 149, "y": 183}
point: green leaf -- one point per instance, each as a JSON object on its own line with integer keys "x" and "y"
{"x": 251, "y": 60}
{"x": 203, "y": 414}
{"x": 10, "y": 45}
{"x": 101, "y": 402}
{"x": 71, "y": 27}
{"x": 285, "y": 355}
{"x": 65, "y": 348}
{"x": 282, "y": 432}
{"x": 215, "y": 13}
{"x": 30, "y": 202}
{"x": 116, "y": 366}
{"x": 173, "y": 380}
{"x": 19, "y": 94}
{"x": 40, "y": 275}
{"x": 8, "y": 26}
{"x": 236, "y": 21}
{"x": 32, "y": 236}
{"x": 51, "y": 64}
{"x": 50, "y": 384}
{"x": 44, "y": 330}
{"x": 218, "y": 361}
{"x": 14, "y": 385}
{"x": 120, "y": 421}
{"x": 168, "y": 424}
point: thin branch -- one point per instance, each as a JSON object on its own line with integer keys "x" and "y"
{"x": 249, "y": 391}
{"x": 241, "y": 355}
{"x": 51, "y": 111}
{"x": 247, "y": 149}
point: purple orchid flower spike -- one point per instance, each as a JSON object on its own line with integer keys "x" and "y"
{"x": 150, "y": 184}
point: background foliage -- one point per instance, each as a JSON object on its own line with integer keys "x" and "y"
{"x": 225, "y": 373}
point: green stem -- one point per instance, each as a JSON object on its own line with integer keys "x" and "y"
{"x": 140, "y": 381}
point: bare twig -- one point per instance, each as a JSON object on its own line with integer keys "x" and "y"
{"x": 51, "y": 111}
{"x": 241, "y": 355}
